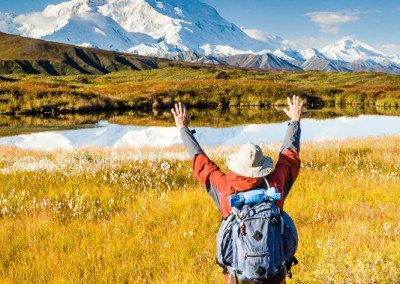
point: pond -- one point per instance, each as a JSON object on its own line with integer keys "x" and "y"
{"x": 214, "y": 127}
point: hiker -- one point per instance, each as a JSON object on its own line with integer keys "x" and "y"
{"x": 249, "y": 169}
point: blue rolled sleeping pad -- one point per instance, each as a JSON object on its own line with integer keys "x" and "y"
{"x": 253, "y": 197}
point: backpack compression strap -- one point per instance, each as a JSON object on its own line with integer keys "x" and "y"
{"x": 278, "y": 278}
{"x": 289, "y": 263}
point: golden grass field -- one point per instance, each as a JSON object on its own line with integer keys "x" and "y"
{"x": 138, "y": 216}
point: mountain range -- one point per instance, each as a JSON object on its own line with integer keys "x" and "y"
{"x": 188, "y": 30}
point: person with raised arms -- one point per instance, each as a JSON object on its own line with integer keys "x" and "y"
{"x": 257, "y": 240}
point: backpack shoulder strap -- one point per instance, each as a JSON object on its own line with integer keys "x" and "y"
{"x": 266, "y": 182}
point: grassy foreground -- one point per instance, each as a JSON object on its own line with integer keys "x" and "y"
{"x": 139, "y": 216}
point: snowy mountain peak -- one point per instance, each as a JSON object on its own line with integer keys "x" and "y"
{"x": 73, "y": 7}
{"x": 151, "y": 27}
{"x": 310, "y": 53}
{"x": 141, "y": 17}
{"x": 348, "y": 43}
{"x": 91, "y": 2}
{"x": 395, "y": 58}
{"x": 4, "y": 16}
{"x": 350, "y": 50}
{"x": 289, "y": 54}
{"x": 6, "y": 23}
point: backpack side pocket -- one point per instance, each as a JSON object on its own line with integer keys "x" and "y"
{"x": 224, "y": 242}
{"x": 290, "y": 237}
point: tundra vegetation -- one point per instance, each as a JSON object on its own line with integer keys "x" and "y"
{"x": 201, "y": 86}
{"x": 138, "y": 215}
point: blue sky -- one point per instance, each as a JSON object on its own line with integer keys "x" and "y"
{"x": 302, "y": 23}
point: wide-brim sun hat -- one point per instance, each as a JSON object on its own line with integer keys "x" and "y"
{"x": 250, "y": 161}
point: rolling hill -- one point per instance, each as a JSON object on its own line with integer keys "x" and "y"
{"x": 31, "y": 56}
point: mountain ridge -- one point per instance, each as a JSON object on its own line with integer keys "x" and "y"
{"x": 185, "y": 30}
{"x": 23, "y": 55}
{"x": 32, "y": 56}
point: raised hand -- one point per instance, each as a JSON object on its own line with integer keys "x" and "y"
{"x": 181, "y": 116}
{"x": 295, "y": 108}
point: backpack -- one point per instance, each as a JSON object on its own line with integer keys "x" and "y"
{"x": 257, "y": 238}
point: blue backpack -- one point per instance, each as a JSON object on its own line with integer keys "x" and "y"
{"x": 257, "y": 238}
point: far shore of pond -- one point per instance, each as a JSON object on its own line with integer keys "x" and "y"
{"x": 25, "y": 124}
{"x": 196, "y": 87}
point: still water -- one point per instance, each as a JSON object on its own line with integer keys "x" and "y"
{"x": 107, "y": 134}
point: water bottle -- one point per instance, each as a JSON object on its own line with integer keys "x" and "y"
{"x": 253, "y": 197}
{"x": 273, "y": 194}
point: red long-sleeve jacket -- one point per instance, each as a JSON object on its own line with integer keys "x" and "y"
{"x": 220, "y": 185}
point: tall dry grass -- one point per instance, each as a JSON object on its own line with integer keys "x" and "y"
{"x": 139, "y": 216}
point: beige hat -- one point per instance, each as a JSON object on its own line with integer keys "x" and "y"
{"x": 249, "y": 161}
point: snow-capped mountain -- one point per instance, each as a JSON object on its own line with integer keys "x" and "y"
{"x": 353, "y": 55}
{"x": 75, "y": 23}
{"x": 345, "y": 50}
{"x": 310, "y": 53}
{"x": 146, "y": 27}
{"x": 184, "y": 30}
{"x": 351, "y": 50}
{"x": 395, "y": 59}
{"x": 289, "y": 54}
{"x": 6, "y": 23}
{"x": 345, "y": 55}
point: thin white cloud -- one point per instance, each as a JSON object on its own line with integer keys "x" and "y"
{"x": 330, "y": 22}
{"x": 334, "y": 18}
{"x": 256, "y": 34}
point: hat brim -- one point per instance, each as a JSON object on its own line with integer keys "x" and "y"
{"x": 235, "y": 166}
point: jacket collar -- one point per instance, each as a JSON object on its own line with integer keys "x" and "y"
{"x": 241, "y": 183}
